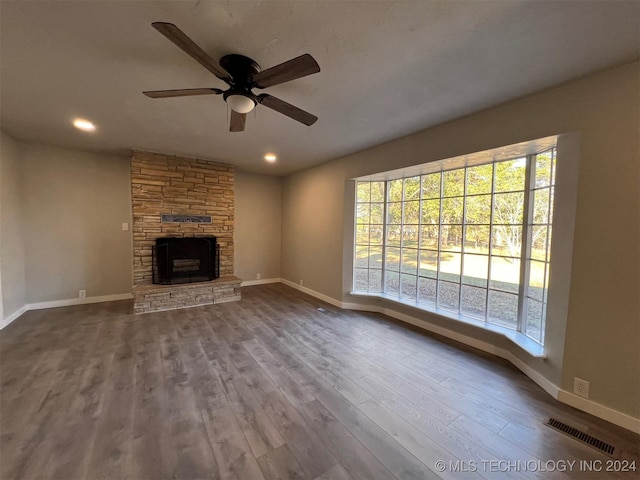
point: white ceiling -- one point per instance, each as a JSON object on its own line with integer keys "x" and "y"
{"x": 388, "y": 68}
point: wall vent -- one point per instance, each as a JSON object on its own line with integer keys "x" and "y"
{"x": 580, "y": 436}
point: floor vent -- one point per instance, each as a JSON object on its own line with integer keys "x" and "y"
{"x": 580, "y": 436}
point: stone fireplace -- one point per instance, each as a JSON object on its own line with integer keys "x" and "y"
{"x": 176, "y": 197}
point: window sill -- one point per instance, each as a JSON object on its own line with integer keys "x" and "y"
{"x": 521, "y": 340}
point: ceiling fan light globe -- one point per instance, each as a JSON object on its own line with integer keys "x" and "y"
{"x": 240, "y": 103}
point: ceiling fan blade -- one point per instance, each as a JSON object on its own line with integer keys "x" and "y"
{"x": 178, "y": 37}
{"x": 295, "y": 68}
{"x": 185, "y": 92}
{"x": 287, "y": 109}
{"x": 237, "y": 121}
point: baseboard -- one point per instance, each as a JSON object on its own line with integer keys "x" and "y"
{"x": 6, "y": 321}
{"x": 589, "y": 406}
{"x": 313, "y": 293}
{"x": 63, "y": 303}
{"x": 249, "y": 283}
{"x": 548, "y": 386}
{"x": 600, "y": 411}
{"x": 78, "y": 301}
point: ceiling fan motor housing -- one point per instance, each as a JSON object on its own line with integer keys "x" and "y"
{"x": 242, "y": 69}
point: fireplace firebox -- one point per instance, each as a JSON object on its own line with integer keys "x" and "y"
{"x": 185, "y": 260}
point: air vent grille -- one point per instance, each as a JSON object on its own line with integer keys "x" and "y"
{"x": 580, "y": 436}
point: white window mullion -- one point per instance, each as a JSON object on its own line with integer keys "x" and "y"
{"x": 525, "y": 251}
{"x": 439, "y": 240}
{"x": 384, "y": 237}
{"x": 545, "y": 286}
{"x": 463, "y": 230}
{"x": 355, "y": 236}
{"x": 400, "y": 260}
{"x": 419, "y": 246}
{"x": 493, "y": 201}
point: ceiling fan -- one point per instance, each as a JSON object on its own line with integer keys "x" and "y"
{"x": 242, "y": 74}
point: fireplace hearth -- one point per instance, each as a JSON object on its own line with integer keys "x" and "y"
{"x": 185, "y": 260}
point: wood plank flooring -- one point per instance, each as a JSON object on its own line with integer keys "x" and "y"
{"x": 276, "y": 386}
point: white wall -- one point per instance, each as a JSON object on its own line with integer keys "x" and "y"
{"x": 12, "y": 256}
{"x": 602, "y": 329}
{"x": 257, "y": 236}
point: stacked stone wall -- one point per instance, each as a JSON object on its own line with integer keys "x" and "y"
{"x": 168, "y": 184}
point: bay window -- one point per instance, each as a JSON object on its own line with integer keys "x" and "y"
{"x": 469, "y": 241}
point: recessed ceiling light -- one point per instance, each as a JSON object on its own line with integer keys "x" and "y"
{"x": 84, "y": 125}
{"x": 270, "y": 157}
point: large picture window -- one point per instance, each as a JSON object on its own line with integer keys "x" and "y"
{"x": 471, "y": 241}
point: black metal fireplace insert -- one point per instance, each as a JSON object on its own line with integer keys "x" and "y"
{"x": 185, "y": 260}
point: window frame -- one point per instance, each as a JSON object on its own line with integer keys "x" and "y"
{"x": 524, "y": 257}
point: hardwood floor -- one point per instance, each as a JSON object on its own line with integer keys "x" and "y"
{"x": 276, "y": 386}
